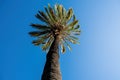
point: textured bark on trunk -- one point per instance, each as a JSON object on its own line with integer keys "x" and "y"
{"x": 52, "y": 67}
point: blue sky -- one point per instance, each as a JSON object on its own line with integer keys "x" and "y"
{"x": 96, "y": 58}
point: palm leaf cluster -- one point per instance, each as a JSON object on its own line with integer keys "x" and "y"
{"x": 57, "y": 21}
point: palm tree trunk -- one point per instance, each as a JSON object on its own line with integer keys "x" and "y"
{"x": 52, "y": 67}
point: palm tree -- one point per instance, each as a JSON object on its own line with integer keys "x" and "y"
{"x": 57, "y": 31}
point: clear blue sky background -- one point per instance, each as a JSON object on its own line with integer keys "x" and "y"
{"x": 96, "y": 58}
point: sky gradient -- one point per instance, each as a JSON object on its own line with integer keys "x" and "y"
{"x": 96, "y": 58}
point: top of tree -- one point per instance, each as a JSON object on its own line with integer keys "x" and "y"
{"x": 57, "y": 22}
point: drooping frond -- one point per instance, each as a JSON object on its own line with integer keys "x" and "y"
{"x": 72, "y": 40}
{"x": 58, "y": 22}
{"x": 63, "y": 48}
{"x": 41, "y": 40}
{"x": 48, "y": 43}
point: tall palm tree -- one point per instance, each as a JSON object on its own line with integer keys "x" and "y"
{"x": 57, "y": 31}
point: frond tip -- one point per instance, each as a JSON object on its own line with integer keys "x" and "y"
{"x": 57, "y": 21}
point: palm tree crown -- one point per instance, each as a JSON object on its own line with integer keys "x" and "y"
{"x": 57, "y": 22}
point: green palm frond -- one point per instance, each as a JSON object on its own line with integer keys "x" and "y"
{"x": 52, "y": 13}
{"x": 77, "y": 27}
{"x": 38, "y": 33}
{"x": 56, "y": 10}
{"x": 41, "y": 18}
{"x": 37, "y": 42}
{"x": 63, "y": 12}
{"x": 76, "y": 32}
{"x": 69, "y": 47}
{"x": 73, "y": 37}
{"x": 41, "y": 40}
{"x": 40, "y": 27}
{"x": 72, "y": 40}
{"x": 58, "y": 22}
{"x": 60, "y": 9}
{"x": 43, "y": 15}
{"x": 63, "y": 48}
{"x": 69, "y": 15}
{"x": 48, "y": 43}
{"x": 74, "y": 18}
{"x": 49, "y": 15}
{"x": 72, "y": 24}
